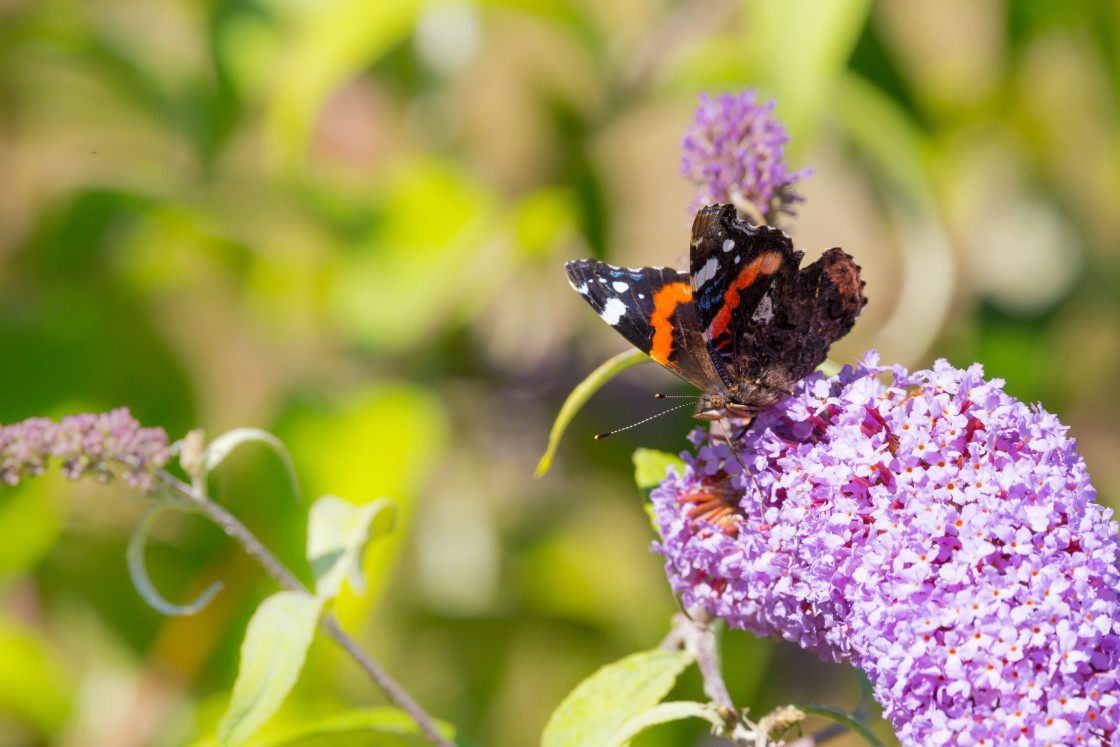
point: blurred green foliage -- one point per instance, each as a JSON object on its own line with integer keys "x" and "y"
{"x": 345, "y": 221}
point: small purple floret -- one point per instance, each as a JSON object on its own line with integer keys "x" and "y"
{"x": 733, "y": 152}
{"x": 932, "y": 531}
{"x": 97, "y": 444}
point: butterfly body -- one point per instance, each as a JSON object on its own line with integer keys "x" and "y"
{"x": 745, "y": 323}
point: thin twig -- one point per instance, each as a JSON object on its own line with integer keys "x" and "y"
{"x": 285, "y": 578}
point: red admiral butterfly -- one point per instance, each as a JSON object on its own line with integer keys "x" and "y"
{"x": 744, "y": 325}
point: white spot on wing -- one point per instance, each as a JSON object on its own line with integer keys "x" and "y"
{"x": 582, "y": 289}
{"x": 736, "y": 259}
{"x": 706, "y": 273}
{"x": 765, "y": 311}
{"x": 728, "y": 244}
{"x": 641, "y": 295}
{"x": 613, "y": 311}
{"x": 620, "y": 286}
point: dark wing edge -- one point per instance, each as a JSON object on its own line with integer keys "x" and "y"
{"x": 652, "y": 308}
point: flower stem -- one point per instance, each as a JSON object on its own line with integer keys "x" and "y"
{"x": 329, "y": 625}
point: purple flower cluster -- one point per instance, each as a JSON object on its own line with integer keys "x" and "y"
{"x": 934, "y": 532}
{"x": 86, "y": 444}
{"x": 733, "y": 153}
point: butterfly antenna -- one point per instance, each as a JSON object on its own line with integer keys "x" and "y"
{"x": 646, "y": 420}
{"x": 757, "y": 489}
{"x": 675, "y": 396}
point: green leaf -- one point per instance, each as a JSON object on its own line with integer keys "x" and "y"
{"x": 337, "y": 533}
{"x": 380, "y": 440}
{"x": 600, "y": 705}
{"x": 221, "y": 447}
{"x": 650, "y": 466}
{"x": 272, "y": 655}
{"x": 376, "y": 727}
{"x": 663, "y": 713}
{"x": 840, "y": 717}
{"x": 382, "y": 726}
{"x": 581, "y": 394}
{"x": 139, "y": 572}
{"x": 830, "y": 368}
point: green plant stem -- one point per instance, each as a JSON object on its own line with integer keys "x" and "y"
{"x": 697, "y": 635}
{"x": 329, "y": 625}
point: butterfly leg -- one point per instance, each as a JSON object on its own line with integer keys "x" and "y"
{"x": 746, "y": 469}
{"x": 743, "y": 431}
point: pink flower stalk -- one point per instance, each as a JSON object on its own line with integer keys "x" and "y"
{"x": 87, "y": 444}
{"x": 734, "y": 152}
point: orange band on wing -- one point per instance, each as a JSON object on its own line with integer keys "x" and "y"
{"x": 664, "y": 304}
{"x": 765, "y": 264}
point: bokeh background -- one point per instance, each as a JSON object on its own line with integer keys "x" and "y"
{"x": 345, "y": 221}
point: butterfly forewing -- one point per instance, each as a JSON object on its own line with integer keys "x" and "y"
{"x": 733, "y": 265}
{"x": 744, "y": 325}
{"x": 652, "y": 308}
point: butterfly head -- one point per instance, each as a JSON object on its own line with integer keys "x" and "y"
{"x": 746, "y": 400}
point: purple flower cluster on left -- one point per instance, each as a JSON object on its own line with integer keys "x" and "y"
{"x": 96, "y": 444}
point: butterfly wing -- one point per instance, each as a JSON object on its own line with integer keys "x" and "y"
{"x": 652, "y": 308}
{"x": 733, "y": 266}
{"x": 803, "y": 314}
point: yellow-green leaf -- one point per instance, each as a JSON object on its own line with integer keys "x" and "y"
{"x": 663, "y": 713}
{"x": 272, "y": 656}
{"x": 650, "y": 466}
{"x": 581, "y": 394}
{"x": 600, "y": 705}
{"x": 337, "y": 533}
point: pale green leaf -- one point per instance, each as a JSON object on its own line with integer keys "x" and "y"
{"x": 218, "y": 449}
{"x": 583, "y": 391}
{"x": 138, "y": 572}
{"x": 376, "y": 727}
{"x": 663, "y": 713}
{"x": 381, "y": 726}
{"x": 830, "y": 368}
{"x": 380, "y": 440}
{"x": 337, "y": 533}
{"x": 272, "y": 655}
{"x": 650, "y": 466}
{"x": 840, "y": 717}
{"x": 599, "y": 706}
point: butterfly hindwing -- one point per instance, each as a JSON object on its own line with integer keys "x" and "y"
{"x": 733, "y": 266}
{"x": 804, "y": 314}
{"x": 652, "y": 308}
